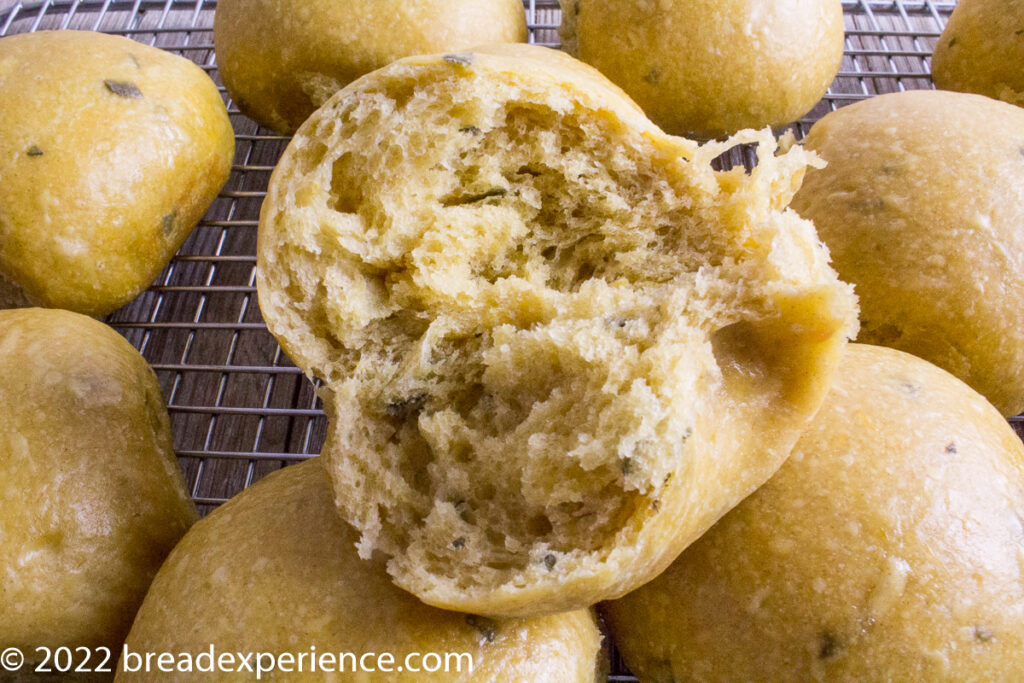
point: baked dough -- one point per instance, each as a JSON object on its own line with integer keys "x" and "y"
{"x": 550, "y": 335}
{"x": 281, "y": 59}
{"x": 888, "y": 547}
{"x": 981, "y": 50}
{"x": 110, "y": 153}
{"x": 275, "y": 570}
{"x": 91, "y": 496}
{"x": 711, "y": 67}
{"x": 921, "y": 206}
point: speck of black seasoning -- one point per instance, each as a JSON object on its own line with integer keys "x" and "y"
{"x": 472, "y": 130}
{"x": 404, "y": 408}
{"x": 550, "y": 561}
{"x": 656, "y": 504}
{"x": 952, "y": 41}
{"x": 34, "y": 151}
{"x": 626, "y": 465}
{"x": 167, "y": 222}
{"x": 910, "y": 389}
{"x": 951, "y": 448}
{"x": 828, "y": 645}
{"x": 462, "y": 59}
{"x": 459, "y": 543}
{"x": 123, "y": 88}
{"x": 983, "y": 635}
{"x": 653, "y": 76}
{"x": 487, "y": 628}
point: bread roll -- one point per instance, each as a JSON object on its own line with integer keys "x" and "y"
{"x": 888, "y": 547}
{"x": 281, "y": 59}
{"x": 110, "y": 153}
{"x": 981, "y": 50}
{"x": 921, "y": 206}
{"x": 555, "y": 344}
{"x": 91, "y": 497}
{"x": 711, "y": 67}
{"x": 275, "y": 570}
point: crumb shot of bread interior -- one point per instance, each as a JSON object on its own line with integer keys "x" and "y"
{"x": 555, "y": 345}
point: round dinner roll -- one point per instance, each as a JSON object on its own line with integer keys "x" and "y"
{"x": 281, "y": 59}
{"x": 555, "y": 345}
{"x": 711, "y": 67}
{"x": 921, "y": 206}
{"x": 110, "y": 153}
{"x": 888, "y": 547}
{"x": 91, "y": 496}
{"x": 275, "y": 570}
{"x": 981, "y": 50}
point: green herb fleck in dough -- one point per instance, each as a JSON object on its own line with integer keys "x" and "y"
{"x": 549, "y": 561}
{"x": 487, "y": 628}
{"x": 626, "y": 465}
{"x": 473, "y": 199}
{"x": 463, "y": 59}
{"x": 653, "y": 76}
{"x": 472, "y": 130}
{"x": 982, "y": 634}
{"x": 656, "y": 504}
{"x": 462, "y": 509}
{"x": 404, "y": 408}
{"x": 167, "y": 222}
{"x": 34, "y": 151}
{"x": 952, "y": 41}
{"x": 951, "y": 448}
{"x": 123, "y": 88}
{"x": 828, "y": 646}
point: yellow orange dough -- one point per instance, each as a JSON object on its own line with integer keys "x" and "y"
{"x": 275, "y": 570}
{"x": 711, "y": 67}
{"x": 888, "y": 547}
{"x": 110, "y": 153}
{"x": 91, "y": 497}
{"x": 921, "y": 206}
{"x": 550, "y": 335}
{"x": 981, "y": 50}
{"x": 281, "y": 59}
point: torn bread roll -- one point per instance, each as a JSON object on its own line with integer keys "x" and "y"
{"x": 555, "y": 345}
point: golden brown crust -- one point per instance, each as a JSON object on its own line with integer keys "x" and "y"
{"x": 281, "y": 59}
{"x": 91, "y": 497}
{"x": 550, "y": 334}
{"x": 888, "y": 547}
{"x": 110, "y": 153}
{"x": 712, "y": 67}
{"x": 275, "y": 570}
{"x": 937, "y": 258}
{"x": 981, "y": 50}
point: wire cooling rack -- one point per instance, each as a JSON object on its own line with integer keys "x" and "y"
{"x": 239, "y": 408}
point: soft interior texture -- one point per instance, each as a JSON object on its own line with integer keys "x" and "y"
{"x": 521, "y": 308}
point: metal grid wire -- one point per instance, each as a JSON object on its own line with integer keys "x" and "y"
{"x": 239, "y": 408}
